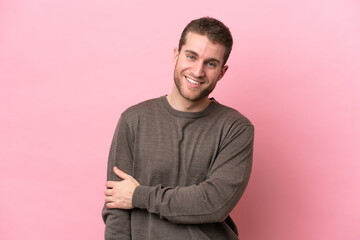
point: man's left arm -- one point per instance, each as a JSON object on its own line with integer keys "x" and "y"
{"x": 210, "y": 201}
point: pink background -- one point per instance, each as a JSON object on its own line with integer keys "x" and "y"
{"x": 69, "y": 68}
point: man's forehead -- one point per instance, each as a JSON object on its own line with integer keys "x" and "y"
{"x": 194, "y": 37}
{"x": 191, "y": 35}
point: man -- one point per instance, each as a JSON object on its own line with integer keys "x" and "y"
{"x": 179, "y": 164}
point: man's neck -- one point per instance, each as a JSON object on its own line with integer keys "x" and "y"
{"x": 184, "y": 105}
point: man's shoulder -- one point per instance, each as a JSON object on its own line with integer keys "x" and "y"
{"x": 142, "y": 107}
{"x": 230, "y": 114}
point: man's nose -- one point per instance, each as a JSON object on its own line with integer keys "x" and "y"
{"x": 198, "y": 69}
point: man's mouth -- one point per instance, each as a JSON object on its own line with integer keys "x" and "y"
{"x": 191, "y": 81}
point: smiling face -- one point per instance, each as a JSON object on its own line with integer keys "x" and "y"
{"x": 198, "y": 67}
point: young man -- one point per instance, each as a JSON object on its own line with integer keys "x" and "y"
{"x": 179, "y": 164}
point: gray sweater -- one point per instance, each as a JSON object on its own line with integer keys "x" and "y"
{"x": 192, "y": 167}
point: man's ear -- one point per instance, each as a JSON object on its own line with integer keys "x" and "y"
{"x": 176, "y": 55}
{"x": 223, "y": 71}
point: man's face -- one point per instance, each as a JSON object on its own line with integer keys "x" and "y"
{"x": 198, "y": 67}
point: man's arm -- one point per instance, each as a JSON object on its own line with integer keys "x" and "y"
{"x": 212, "y": 200}
{"x": 118, "y": 220}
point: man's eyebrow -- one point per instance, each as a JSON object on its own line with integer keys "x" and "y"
{"x": 207, "y": 60}
{"x": 192, "y": 52}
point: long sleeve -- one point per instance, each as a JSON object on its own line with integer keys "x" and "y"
{"x": 211, "y": 200}
{"x": 117, "y": 220}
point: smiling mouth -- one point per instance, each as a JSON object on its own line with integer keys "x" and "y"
{"x": 191, "y": 81}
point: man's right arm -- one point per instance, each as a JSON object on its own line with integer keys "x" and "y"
{"x": 117, "y": 221}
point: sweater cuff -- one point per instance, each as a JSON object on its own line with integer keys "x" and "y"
{"x": 140, "y": 198}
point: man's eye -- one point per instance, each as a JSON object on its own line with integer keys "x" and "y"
{"x": 212, "y": 64}
{"x": 191, "y": 57}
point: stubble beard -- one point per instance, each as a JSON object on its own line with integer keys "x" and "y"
{"x": 204, "y": 93}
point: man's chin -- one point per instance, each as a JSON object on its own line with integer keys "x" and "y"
{"x": 193, "y": 98}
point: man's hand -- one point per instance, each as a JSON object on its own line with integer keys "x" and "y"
{"x": 119, "y": 193}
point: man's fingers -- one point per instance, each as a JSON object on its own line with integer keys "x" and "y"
{"x": 108, "y": 192}
{"x": 109, "y": 199}
{"x": 121, "y": 174}
{"x": 110, "y": 184}
{"x": 110, "y": 205}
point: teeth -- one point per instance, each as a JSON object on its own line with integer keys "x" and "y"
{"x": 192, "y": 81}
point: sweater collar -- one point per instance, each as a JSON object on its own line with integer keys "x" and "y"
{"x": 177, "y": 113}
